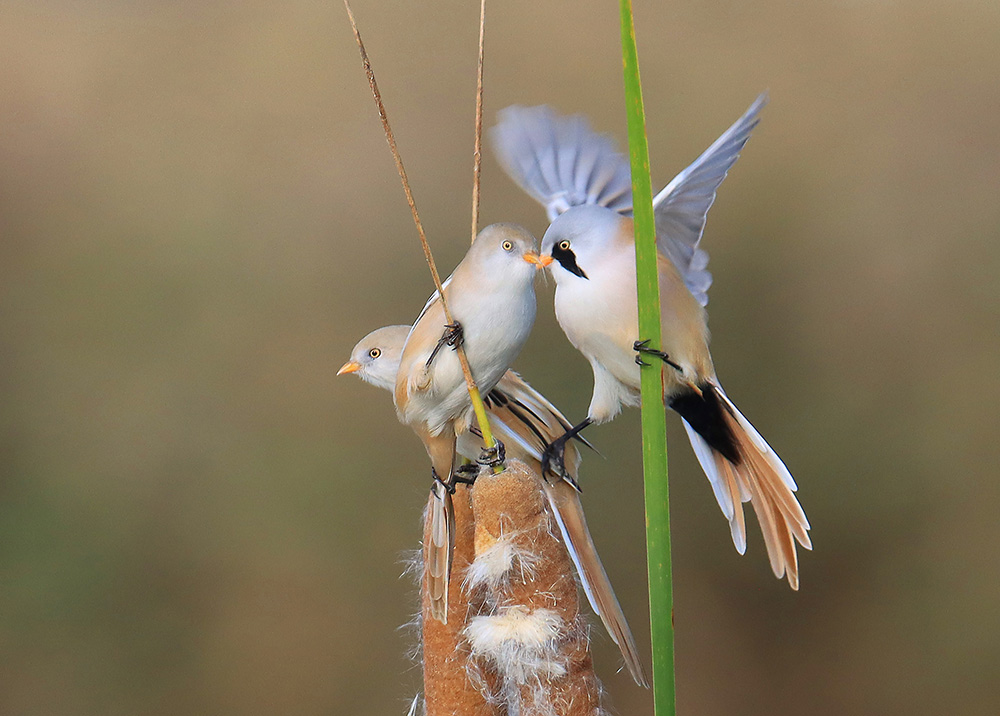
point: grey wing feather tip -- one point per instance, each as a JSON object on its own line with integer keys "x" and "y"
{"x": 560, "y": 161}
{"x": 682, "y": 206}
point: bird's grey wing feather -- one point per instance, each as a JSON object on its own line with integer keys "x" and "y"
{"x": 682, "y": 206}
{"x": 560, "y": 161}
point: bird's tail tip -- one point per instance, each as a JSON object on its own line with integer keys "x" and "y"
{"x": 742, "y": 467}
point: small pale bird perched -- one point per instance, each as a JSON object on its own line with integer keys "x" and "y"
{"x": 526, "y": 422}
{"x": 585, "y": 185}
{"x": 491, "y": 297}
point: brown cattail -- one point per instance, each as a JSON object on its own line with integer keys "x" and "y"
{"x": 528, "y": 633}
{"x": 448, "y": 690}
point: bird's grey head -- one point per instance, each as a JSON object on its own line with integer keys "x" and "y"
{"x": 578, "y": 237}
{"x": 505, "y": 252}
{"x": 375, "y": 359}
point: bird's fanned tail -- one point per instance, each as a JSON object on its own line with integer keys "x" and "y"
{"x": 440, "y": 546}
{"x": 742, "y": 467}
{"x": 565, "y": 503}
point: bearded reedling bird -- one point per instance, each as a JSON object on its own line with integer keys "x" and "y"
{"x": 491, "y": 297}
{"x": 585, "y": 185}
{"x": 526, "y": 422}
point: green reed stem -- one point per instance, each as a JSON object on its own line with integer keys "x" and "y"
{"x": 654, "y": 438}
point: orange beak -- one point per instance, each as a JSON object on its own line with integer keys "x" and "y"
{"x": 349, "y": 367}
{"x": 539, "y": 261}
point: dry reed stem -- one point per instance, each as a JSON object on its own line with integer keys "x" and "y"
{"x": 477, "y": 154}
{"x": 470, "y": 382}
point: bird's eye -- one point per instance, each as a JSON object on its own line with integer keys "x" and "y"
{"x": 506, "y": 246}
{"x": 564, "y": 245}
{"x": 374, "y": 352}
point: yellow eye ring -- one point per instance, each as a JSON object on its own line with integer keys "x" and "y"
{"x": 374, "y": 352}
{"x": 506, "y": 246}
{"x": 564, "y": 245}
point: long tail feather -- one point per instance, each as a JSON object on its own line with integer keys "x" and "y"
{"x": 737, "y": 524}
{"x": 758, "y": 477}
{"x": 441, "y": 513}
{"x": 527, "y": 422}
{"x": 566, "y": 506}
{"x": 772, "y": 496}
{"x": 724, "y": 484}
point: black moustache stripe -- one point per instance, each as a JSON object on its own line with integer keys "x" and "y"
{"x": 567, "y": 259}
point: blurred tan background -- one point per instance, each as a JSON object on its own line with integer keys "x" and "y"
{"x": 199, "y": 217}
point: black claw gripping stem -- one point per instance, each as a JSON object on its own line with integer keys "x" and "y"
{"x": 453, "y": 336}
{"x": 641, "y": 347}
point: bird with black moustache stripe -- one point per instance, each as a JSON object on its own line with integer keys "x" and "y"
{"x": 585, "y": 185}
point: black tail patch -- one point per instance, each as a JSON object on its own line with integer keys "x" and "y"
{"x": 704, "y": 413}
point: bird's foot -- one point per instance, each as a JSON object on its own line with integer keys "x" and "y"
{"x": 554, "y": 455}
{"x": 641, "y": 347}
{"x": 448, "y": 486}
{"x": 554, "y": 460}
{"x": 466, "y": 474}
{"x": 493, "y": 456}
{"x": 453, "y": 336}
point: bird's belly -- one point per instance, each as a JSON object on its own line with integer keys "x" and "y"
{"x": 601, "y": 321}
{"x": 492, "y": 341}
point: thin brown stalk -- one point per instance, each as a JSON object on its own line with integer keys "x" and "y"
{"x": 477, "y": 401}
{"x": 391, "y": 139}
{"x": 477, "y": 155}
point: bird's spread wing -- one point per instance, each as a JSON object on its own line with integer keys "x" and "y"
{"x": 682, "y": 206}
{"x": 560, "y": 161}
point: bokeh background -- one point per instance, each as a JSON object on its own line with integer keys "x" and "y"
{"x": 199, "y": 217}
